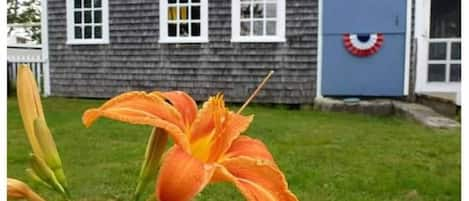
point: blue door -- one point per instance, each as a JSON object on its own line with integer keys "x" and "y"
{"x": 353, "y": 64}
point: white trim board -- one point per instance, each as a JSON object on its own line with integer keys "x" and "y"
{"x": 45, "y": 47}
{"x": 422, "y": 29}
{"x": 408, "y": 41}
{"x": 319, "y": 52}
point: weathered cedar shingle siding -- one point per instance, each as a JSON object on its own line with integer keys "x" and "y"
{"x": 134, "y": 60}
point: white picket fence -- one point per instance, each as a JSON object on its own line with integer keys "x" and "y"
{"x": 30, "y": 55}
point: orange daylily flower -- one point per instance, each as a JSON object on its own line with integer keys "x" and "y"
{"x": 208, "y": 145}
{"x": 16, "y": 190}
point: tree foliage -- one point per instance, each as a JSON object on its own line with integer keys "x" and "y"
{"x": 25, "y": 12}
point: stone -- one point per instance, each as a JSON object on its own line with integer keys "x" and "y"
{"x": 386, "y": 107}
{"x": 424, "y": 115}
{"x": 378, "y": 107}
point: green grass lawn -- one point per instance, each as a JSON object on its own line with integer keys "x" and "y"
{"x": 325, "y": 156}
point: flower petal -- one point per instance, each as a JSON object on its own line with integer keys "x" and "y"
{"x": 215, "y": 128}
{"x": 206, "y": 119}
{"x": 181, "y": 176}
{"x": 16, "y": 189}
{"x": 144, "y": 103}
{"x": 258, "y": 180}
{"x": 30, "y": 105}
{"x": 246, "y": 146}
{"x": 143, "y": 109}
{"x": 235, "y": 124}
{"x": 183, "y": 103}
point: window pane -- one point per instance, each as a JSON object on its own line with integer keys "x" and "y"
{"x": 258, "y": 10}
{"x": 195, "y": 29}
{"x": 436, "y": 72}
{"x": 87, "y": 3}
{"x": 87, "y": 16}
{"x": 437, "y": 51}
{"x": 456, "y": 51}
{"x": 195, "y": 12}
{"x": 97, "y": 3}
{"x": 172, "y": 13}
{"x": 195, "y": 1}
{"x": 98, "y": 33}
{"x": 183, "y": 13}
{"x": 77, "y": 17}
{"x": 455, "y": 73}
{"x": 182, "y": 1}
{"x": 245, "y": 11}
{"x": 171, "y": 1}
{"x": 245, "y": 28}
{"x": 77, "y": 3}
{"x": 183, "y": 29}
{"x": 97, "y": 16}
{"x": 271, "y": 10}
{"x": 78, "y": 34}
{"x": 271, "y": 28}
{"x": 258, "y": 28}
{"x": 88, "y": 32}
{"x": 445, "y": 19}
{"x": 172, "y": 29}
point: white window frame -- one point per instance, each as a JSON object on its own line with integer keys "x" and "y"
{"x": 236, "y": 23}
{"x": 71, "y": 40}
{"x": 203, "y": 38}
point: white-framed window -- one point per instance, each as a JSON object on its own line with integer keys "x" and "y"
{"x": 444, "y": 60}
{"x": 444, "y": 44}
{"x": 183, "y": 21}
{"x": 87, "y": 22}
{"x": 258, "y": 21}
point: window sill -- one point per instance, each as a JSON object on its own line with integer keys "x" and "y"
{"x": 87, "y": 42}
{"x": 443, "y": 82}
{"x": 183, "y": 40}
{"x": 259, "y": 39}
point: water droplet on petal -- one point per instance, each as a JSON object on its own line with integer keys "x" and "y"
{"x": 260, "y": 162}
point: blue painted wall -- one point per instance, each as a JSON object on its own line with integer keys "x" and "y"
{"x": 386, "y": 16}
{"x": 381, "y": 74}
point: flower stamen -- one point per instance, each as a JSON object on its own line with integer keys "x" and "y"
{"x": 255, "y": 92}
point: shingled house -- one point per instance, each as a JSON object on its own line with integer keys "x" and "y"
{"x": 99, "y": 48}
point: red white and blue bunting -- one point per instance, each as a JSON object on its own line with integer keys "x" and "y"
{"x": 363, "y": 45}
